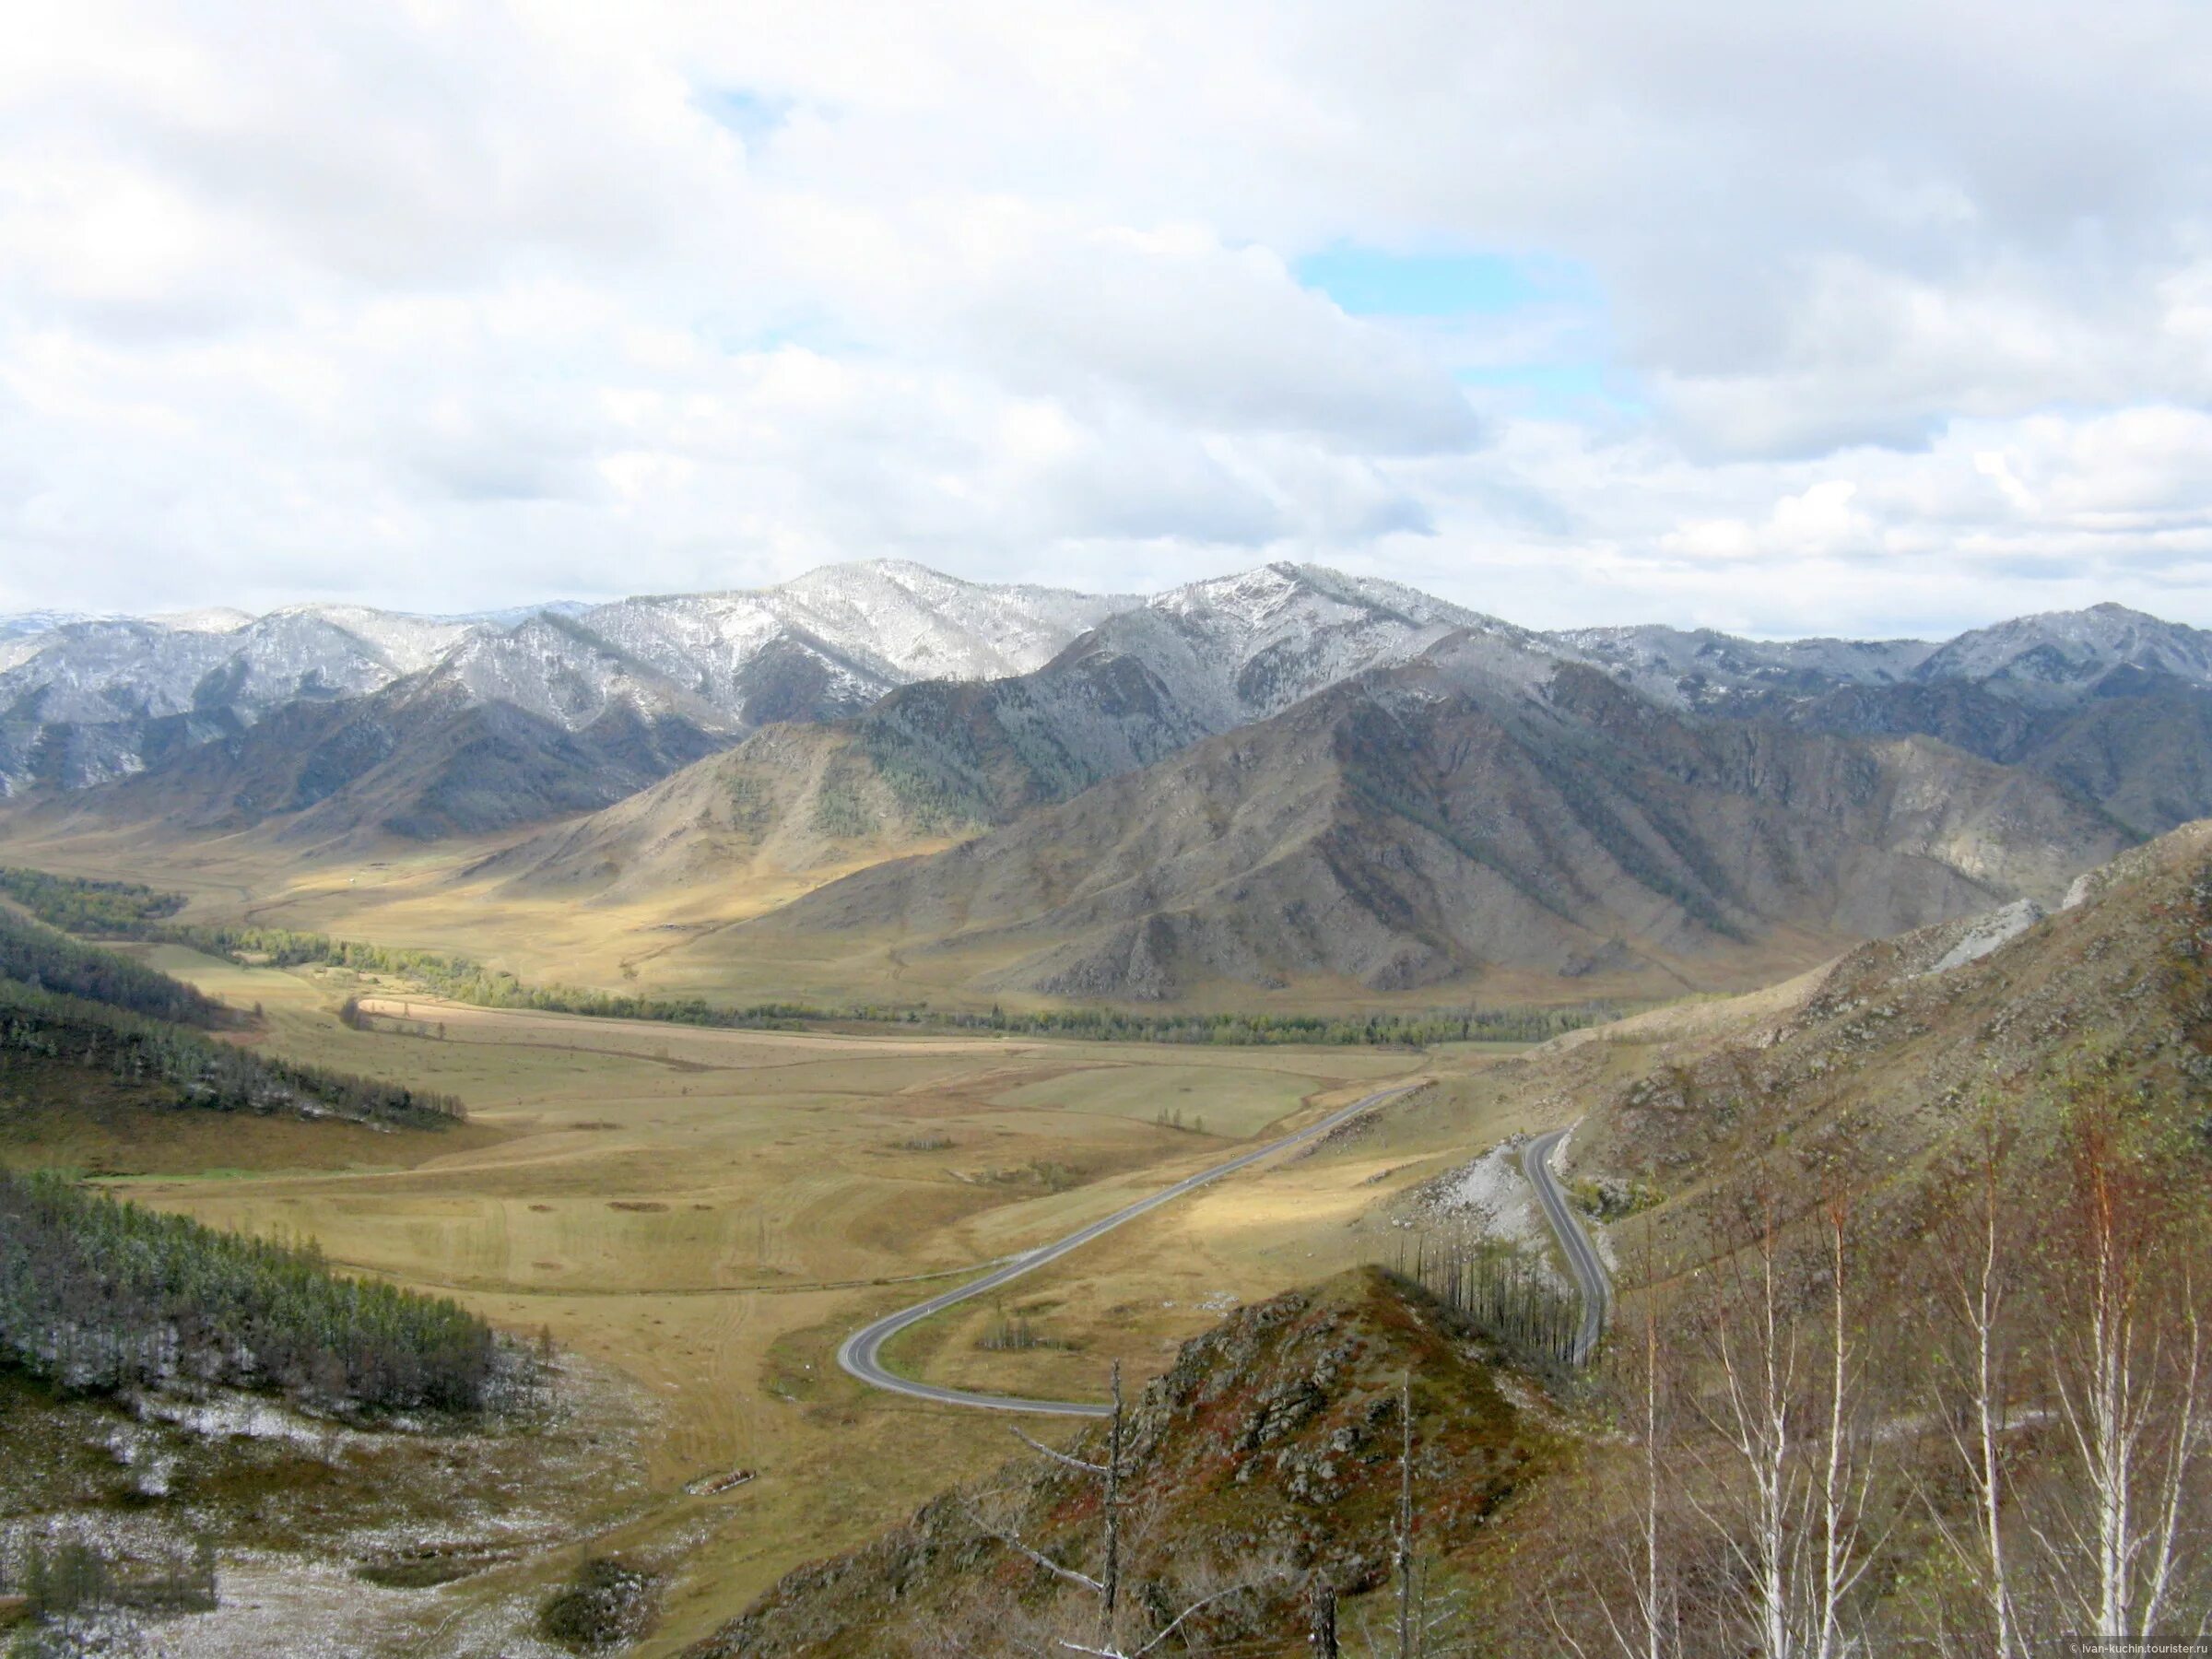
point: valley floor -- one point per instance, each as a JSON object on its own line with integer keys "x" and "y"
{"x": 707, "y": 1213}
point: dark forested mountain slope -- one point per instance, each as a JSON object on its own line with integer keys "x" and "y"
{"x": 2139, "y": 743}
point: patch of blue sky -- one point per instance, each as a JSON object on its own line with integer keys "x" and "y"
{"x": 753, "y": 117}
{"x": 1521, "y": 331}
{"x": 1372, "y": 282}
{"x": 808, "y": 329}
{"x": 1556, "y": 388}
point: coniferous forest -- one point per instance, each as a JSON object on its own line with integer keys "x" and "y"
{"x": 64, "y": 1000}
{"x": 50, "y": 960}
{"x": 99, "y": 1295}
{"x": 37, "y": 1025}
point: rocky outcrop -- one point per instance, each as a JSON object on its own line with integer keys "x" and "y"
{"x": 1273, "y": 1441}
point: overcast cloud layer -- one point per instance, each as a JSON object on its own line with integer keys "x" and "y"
{"x": 1878, "y": 318}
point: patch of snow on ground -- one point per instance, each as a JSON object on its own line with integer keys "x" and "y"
{"x": 280, "y": 1606}
{"x": 248, "y": 1416}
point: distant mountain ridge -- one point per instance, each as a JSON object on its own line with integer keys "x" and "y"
{"x": 939, "y": 758}
{"x": 79, "y": 698}
{"x": 943, "y": 757}
{"x": 1475, "y": 808}
{"x": 588, "y": 704}
{"x": 956, "y": 707}
{"x": 2048, "y": 659}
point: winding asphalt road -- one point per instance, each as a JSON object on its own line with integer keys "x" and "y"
{"x": 862, "y": 1353}
{"x": 1589, "y": 1269}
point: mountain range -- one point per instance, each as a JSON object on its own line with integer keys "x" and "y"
{"x": 1456, "y": 815}
{"x": 554, "y": 712}
{"x": 1286, "y": 774}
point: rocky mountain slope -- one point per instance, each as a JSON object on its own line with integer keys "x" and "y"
{"x": 420, "y": 759}
{"x": 1474, "y": 811}
{"x": 1266, "y": 1455}
{"x": 944, "y": 759}
{"x": 2049, "y": 660}
{"x": 2111, "y": 703}
{"x": 1882, "y": 1056}
{"x": 1701, "y": 668}
{"x": 2136, "y": 742}
{"x": 938, "y": 758}
{"x": 790, "y": 799}
{"x": 86, "y": 701}
{"x": 962, "y": 706}
{"x": 1191, "y": 663}
{"x": 217, "y": 720}
{"x": 2062, "y": 656}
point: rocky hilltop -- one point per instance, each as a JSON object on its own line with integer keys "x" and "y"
{"x": 1266, "y": 1455}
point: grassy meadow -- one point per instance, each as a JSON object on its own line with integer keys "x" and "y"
{"x": 707, "y": 1213}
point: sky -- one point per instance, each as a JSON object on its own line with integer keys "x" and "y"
{"x": 1874, "y": 319}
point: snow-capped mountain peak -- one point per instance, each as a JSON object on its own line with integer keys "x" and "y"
{"x": 1230, "y": 649}
{"x": 829, "y": 643}
{"x": 2057, "y": 657}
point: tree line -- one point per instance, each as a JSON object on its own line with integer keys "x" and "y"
{"x": 1500, "y": 1288}
{"x": 111, "y": 909}
{"x": 40, "y": 955}
{"x": 41, "y": 1025}
{"x": 57, "y": 1578}
{"x": 141, "y": 913}
{"x": 461, "y": 980}
{"x": 100, "y": 1295}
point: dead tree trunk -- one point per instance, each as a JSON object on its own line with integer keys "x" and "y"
{"x": 1407, "y": 1622}
{"x": 1321, "y": 1621}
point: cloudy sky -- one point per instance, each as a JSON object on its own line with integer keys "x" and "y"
{"x": 1873, "y": 317}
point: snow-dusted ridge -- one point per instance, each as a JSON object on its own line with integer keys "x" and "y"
{"x": 103, "y": 693}
{"x": 1687, "y": 667}
{"x": 1232, "y": 648}
{"x": 2058, "y": 656}
{"x": 87, "y": 699}
{"x": 2047, "y": 660}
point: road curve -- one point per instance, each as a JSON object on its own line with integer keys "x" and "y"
{"x": 1589, "y": 1269}
{"x": 860, "y": 1353}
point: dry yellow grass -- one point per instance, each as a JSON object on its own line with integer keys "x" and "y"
{"x": 708, "y": 1211}
{"x": 683, "y": 940}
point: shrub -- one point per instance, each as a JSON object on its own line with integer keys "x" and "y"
{"x": 604, "y": 1604}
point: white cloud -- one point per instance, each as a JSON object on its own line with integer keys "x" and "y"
{"x": 453, "y": 303}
